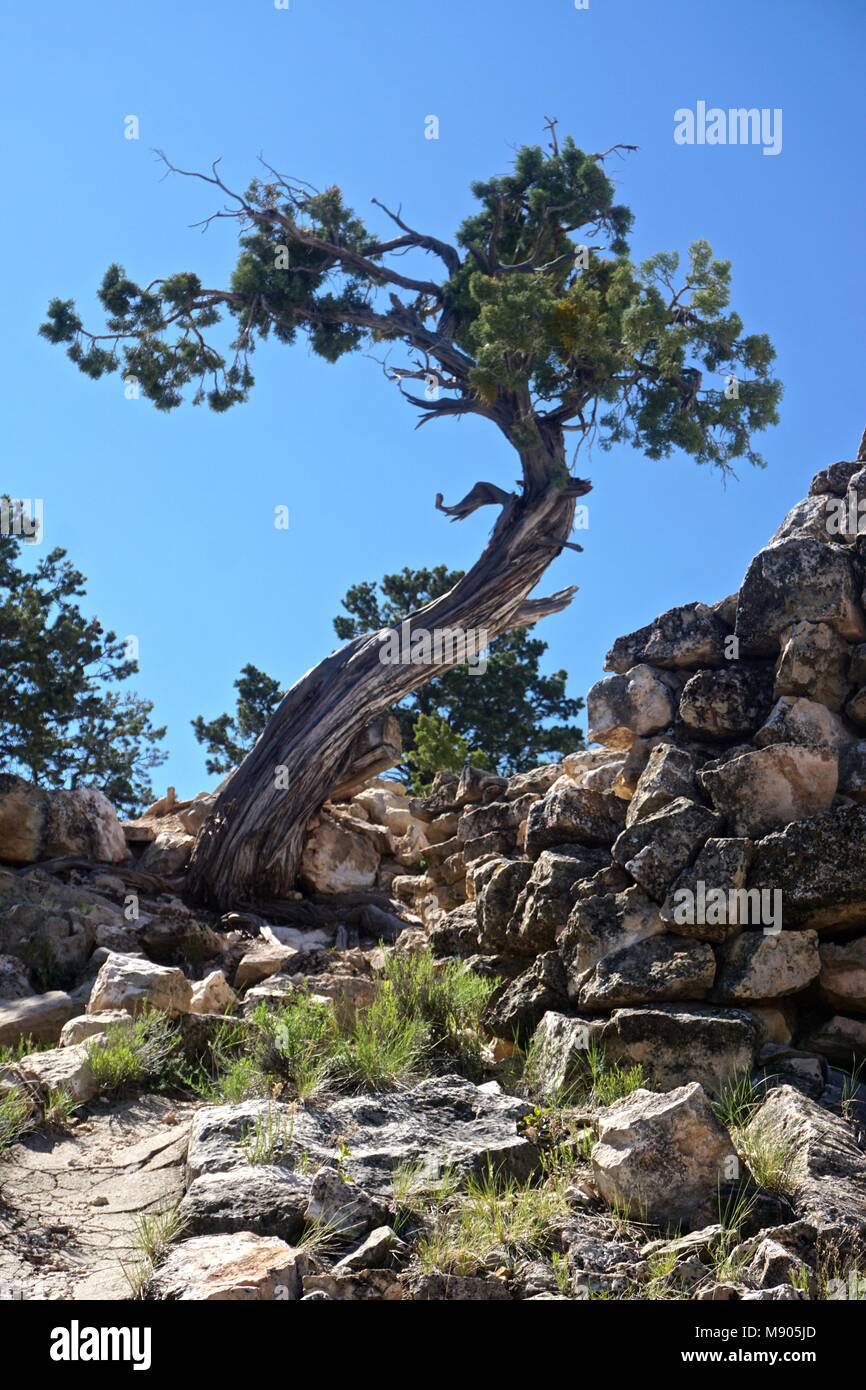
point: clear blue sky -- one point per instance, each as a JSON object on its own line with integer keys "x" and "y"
{"x": 171, "y": 517}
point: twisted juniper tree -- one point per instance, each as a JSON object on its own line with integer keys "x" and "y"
{"x": 537, "y": 321}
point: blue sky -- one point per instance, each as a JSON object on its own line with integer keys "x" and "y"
{"x": 171, "y": 517}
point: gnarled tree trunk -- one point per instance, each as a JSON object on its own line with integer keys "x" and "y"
{"x": 250, "y": 848}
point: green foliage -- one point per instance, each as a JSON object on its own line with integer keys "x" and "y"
{"x": 540, "y": 307}
{"x": 141, "y": 1055}
{"x": 509, "y": 720}
{"x": 61, "y": 724}
{"x": 228, "y": 738}
{"x": 17, "y": 1115}
{"x": 436, "y": 748}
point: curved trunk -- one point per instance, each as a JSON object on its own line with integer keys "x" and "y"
{"x": 250, "y": 848}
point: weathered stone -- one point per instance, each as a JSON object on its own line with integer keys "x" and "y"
{"x": 813, "y": 663}
{"x": 342, "y": 1207}
{"x": 495, "y": 816}
{"x": 797, "y": 580}
{"x": 819, "y": 866}
{"x": 572, "y": 813}
{"x": 382, "y": 1247}
{"x": 240, "y": 1267}
{"x": 728, "y": 703}
{"x": 262, "y": 960}
{"x": 794, "y": 719}
{"x": 678, "y": 1043}
{"x": 132, "y": 983}
{"x": 602, "y": 923}
{"x": 497, "y": 886}
{"x": 842, "y": 981}
{"x": 14, "y": 979}
{"x": 661, "y": 969}
{"x": 770, "y": 787}
{"x": 669, "y": 774}
{"x": 759, "y": 965}
{"x": 841, "y": 1039}
{"x": 212, "y": 995}
{"x": 85, "y": 1026}
{"x": 706, "y": 900}
{"x": 689, "y": 636}
{"x": 559, "y": 1053}
{"x": 825, "y": 1161}
{"x": 662, "y": 1157}
{"x": 39, "y": 1018}
{"x": 443, "y": 1123}
{"x": 363, "y": 1285}
{"x": 65, "y": 1069}
{"x": 856, "y": 707}
{"x": 543, "y": 906}
{"x": 852, "y": 770}
{"x": 657, "y": 849}
{"x": 806, "y": 519}
{"x": 834, "y": 480}
{"x": 515, "y": 1012}
{"x": 38, "y": 824}
{"x": 168, "y": 854}
{"x": 338, "y": 859}
{"x": 625, "y": 707}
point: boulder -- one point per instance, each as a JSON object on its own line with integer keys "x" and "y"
{"x": 661, "y": 1158}
{"x": 662, "y": 969}
{"x": 39, "y": 1018}
{"x": 841, "y": 1039}
{"x": 657, "y": 849}
{"x": 797, "y": 580}
{"x": 728, "y": 703}
{"x": 813, "y": 663}
{"x": 85, "y": 1026}
{"x": 572, "y": 813}
{"x": 38, "y": 824}
{"x": 212, "y": 995}
{"x": 133, "y": 983}
{"x": 678, "y": 1043}
{"x": 624, "y": 707}
{"x": 339, "y": 1205}
{"x": 65, "y": 1069}
{"x": 498, "y": 884}
{"x": 380, "y": 1248}
{"x": 766, "y": 789}
{"x": 559, "y": 1054}
{"x": 767, "y": 965}
{"x": 825, "y": 1162}
{"x": 543, "y": 907}
{"x": 602, "y": 923}
{"x": 794, "y": 719}
{"x": 167, "y": 854}
{"x": 338, "y": 859}
{"x": 516, "y": 1011}
{"x": 443, "y": 1123}
{"x": 705, "y": 901}
{"x": 842, "y": 981}
{"x": 669, "y": 773}
{"x": 852, "y": 770}
{"x": 238, "y": 1267}
{"x": 259, "y": 1197}
{"x": 689, "y": 636}
{"x": 819, "y": 866}
{"x": 262, "y": 960}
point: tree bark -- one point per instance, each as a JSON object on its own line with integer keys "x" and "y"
{"x": 250, "y": 848}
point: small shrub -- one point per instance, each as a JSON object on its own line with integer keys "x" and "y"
{"x": 145, "y": 1054}
{"x": 269, "y": 1138}
{"x": 17, "y": 1115}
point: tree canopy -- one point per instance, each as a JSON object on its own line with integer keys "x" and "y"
{"x": 62, "y": 723}
{"x": 539, "y": 321}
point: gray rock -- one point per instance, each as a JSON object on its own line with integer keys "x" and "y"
{"x": 678, "y": 1043}
{"x": 771, "y": 965}
{"x": 706, "y": 902}
{"x": 40, "y": 1017}
{"x": 691, "y": 635}
{"x": 842, "y": 981}
{"x": 515, "y": 1013}
{"x": 731, "y": 702}
{"x": 656, "y": 850}
{"x": 571, "y": 813}
{"x": 602, "y": 923}
{"x": 794, "y": 719}
{"x": 543, "y": 907}
{"x": 797, "y": 580}
{"x": 625, "y": 707}
{"x": 663, "y": 969}
{"x": 819, "y": 866}
{"x": 240, "y": 1267}
{"x": 669, "y": 773}
{"x": 263, "y": 1198}
{"x": 339, "y": 1205}
{"x": 768, "y": 788}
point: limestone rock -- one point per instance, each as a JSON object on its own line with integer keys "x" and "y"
{"x": 38, "y": 824}
{"x": 543, "y": 907}
{"x": 168, "y": 854}
{"x": 572, "y": 813}
{"x": 662, "y": 1157}
{"x": 212, "y": 995}
{"x": 240, "y": 1267}
{"x": 771, "y": 965}
{"x": 559, "y": 1053}
{"x": 259, "y": 1197}
{"x": 794, "y": 719}
{"x": 515, "y": 1013}
{"x": 731, "y": 702}
{"x": 40, "y": 1017}
{"x": 766, "y": 789}
{"x": 819, "y": 866}
{"x": 14, "y": 979}
{"x": 826, "y": 1162}
{"x": 657, "y": 849}
{"x": 625, "y": 707}
{"x": 841, "y": 1039}
{"x": 85, "y": 1026}
{"x": 661, "y": 969}
{"x": 794, "y": 581}
{"x": 602, "y": 923}
{"x": 669, "y": 773}
{"x": 132, "y": 983}
{"x": 842, "y": 981}
{"x": 678, "y": 1043}
{"x": 339, "y": 1205}
{"x": 813, "y": 663}
{"x": 690, "y": 909}
{"x": 262, "y": 960}
{"x": 689, "y": 636}
{"x": 338, "y": 859}
{"x": 64, "y": 1069}
{"x": 498, "y": 884}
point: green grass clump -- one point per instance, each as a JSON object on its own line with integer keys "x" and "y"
{"x": 17, "y": 1114}
{"x": 146, "y": 1053}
